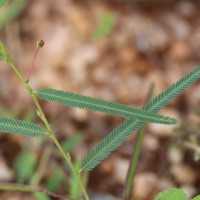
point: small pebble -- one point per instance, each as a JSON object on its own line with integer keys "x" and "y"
{"x": 144, "y": 184}
{"x": 184, "y": 174}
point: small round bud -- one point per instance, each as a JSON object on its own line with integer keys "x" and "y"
{"x": 40, "y": 44}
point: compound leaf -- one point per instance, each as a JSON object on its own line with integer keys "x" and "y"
{"x": 20, "y": 127}
{"x": 118, "y": 135}
{"x": 85, "y": 102}
{"x": 161, "y": 100}
{"x": 108, "y": 144}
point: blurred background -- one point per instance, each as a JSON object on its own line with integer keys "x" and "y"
{"x": 113, "y": 50}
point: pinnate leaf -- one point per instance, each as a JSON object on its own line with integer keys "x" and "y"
{"x": 118, "y": 135}
{"x": 98, "y": 105}
{"x": 161, "y": 100}
{"x": 108, "y": 144}
{"x": 20, "y": 127}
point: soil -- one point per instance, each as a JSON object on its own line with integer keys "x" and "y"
{"x": 151, "y": 42}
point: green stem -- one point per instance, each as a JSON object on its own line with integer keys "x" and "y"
{"x": 42, "y": 166}
{"x": 27, "y": 188}
{"x": 41, "y": 113}
{"x": 135, "y": 156}
{"x": 68, "y": 159}
{"x": 50, "y": 133}
{"x": 133, "y": 164}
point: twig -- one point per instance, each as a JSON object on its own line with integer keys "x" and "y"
{"x": 40, "y": 44}
{"x": 135, "y": 155}
{"x": 27, "y": 188}
{"x": 42, "y": 116}
{"x": 42, "y": 165}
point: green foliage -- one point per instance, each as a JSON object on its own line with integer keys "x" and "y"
{"x": 74, "y": 189}
{"x": 2, "y": 2}
{"x": 172, "y": 194}
{"x": 116, "y": 137}
{"x": 162, "y": 99}
{"x": 24, "y": 166}
{"x": 20, "y": 127}
{"x": 98, "y": 105}
{"x": 10, "y": 112}
{"x": 4, "y": 53}
{"x": 135, "y": 119}
{"x": 12, "y": 10}
{"x": 69, "y": 144}
{"x": 1, "y": 56}
{"x": 105, "y": 26}
{"x": 15, "y": 112}
{"x": 55, "y": 181}
{"x": 196, "y": 198}
{"x": 108, "y": 144}
{"x": 41, "y": 196}
{"x": 135, "y": 154}
{"x": 30, "y": 116}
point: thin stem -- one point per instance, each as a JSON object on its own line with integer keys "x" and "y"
{"x": 42, "y": 166}
{"x": 40, "y": 44}
{"x": 41, "y": 114}
{"x": 66, "y": 156}
{"x": 68, "y": 159}
{"x": 27, "y": 188}
{"x": 135, "y": 156}
{"x": 133, "y": 164}
{"x": 31, "y": 68}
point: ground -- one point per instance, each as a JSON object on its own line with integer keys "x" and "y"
{"x": 150, "y": 42}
